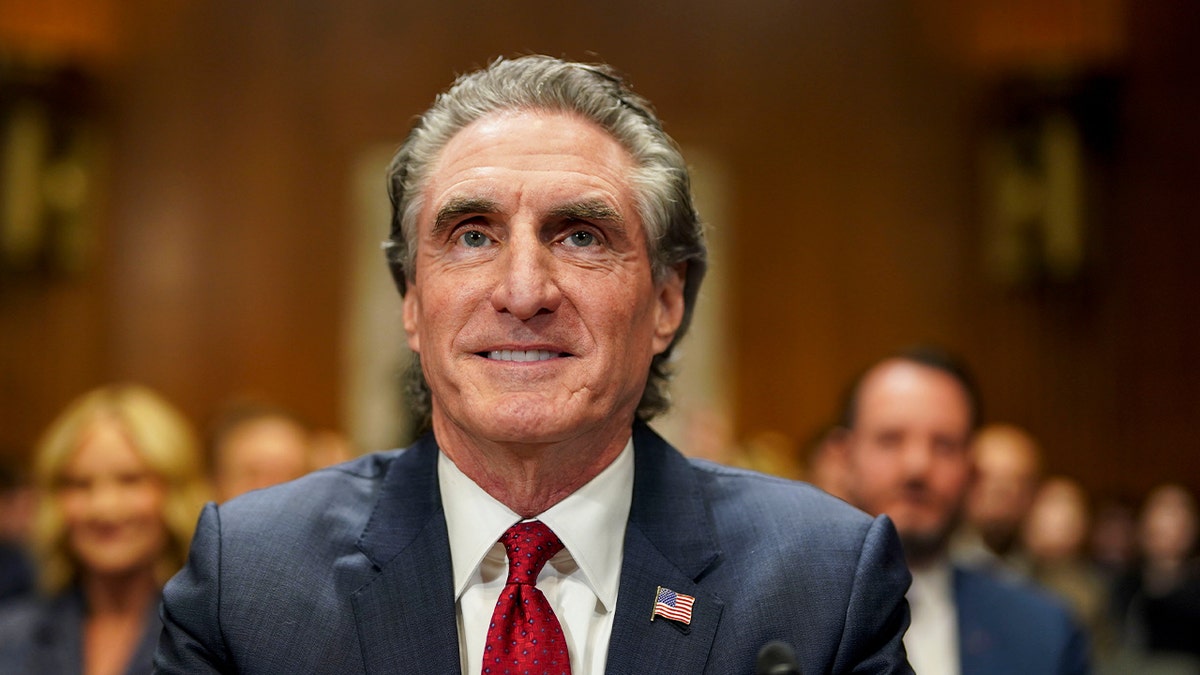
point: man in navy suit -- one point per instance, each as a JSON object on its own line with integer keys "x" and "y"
{"x": 905, "y": 429}
{"x": 548, "y": 254}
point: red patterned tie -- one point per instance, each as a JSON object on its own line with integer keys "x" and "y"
{"x": 524, "y": 636}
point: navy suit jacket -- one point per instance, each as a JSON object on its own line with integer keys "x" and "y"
{"x": 1007, "y": 627}
{"x": 348, "y": 571}
{"x": 45, "y": 635}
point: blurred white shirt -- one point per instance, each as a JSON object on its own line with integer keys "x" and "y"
{"x": 932, "y": 637}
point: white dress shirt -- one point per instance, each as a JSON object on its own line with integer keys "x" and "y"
{"x": 580, "y": 582}
{"x": 932, "y": 637}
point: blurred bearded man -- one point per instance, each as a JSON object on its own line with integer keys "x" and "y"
{"x": 906, "y": 426}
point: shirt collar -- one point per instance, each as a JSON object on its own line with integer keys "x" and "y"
{"x": 933, "y": 584}
{"x": 590, "y": 522}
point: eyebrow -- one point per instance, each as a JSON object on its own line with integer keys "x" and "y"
{"x": 458, "y": 207}
{"x": 588, "y": 210}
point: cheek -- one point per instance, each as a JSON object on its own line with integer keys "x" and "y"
{"x": 950, "y": 481}
{"x": 74, "y": 509}
{"x": 625, "y": 317}
{"x": 451, "y": 311}
{"x": 875, "y": 467}
{"x": 871, "y": 478}
{"x": 148, "y": 502}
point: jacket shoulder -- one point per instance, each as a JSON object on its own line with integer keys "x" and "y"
{"x": 1005, "y": 594}
{"x": 312, "y": 497}
{"x": 787, "y": 503}
{"x": 800, "y": 565}
{"x": 1007, "y": 618}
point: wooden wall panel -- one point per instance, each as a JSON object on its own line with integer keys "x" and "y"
{"x": 850, "y": 128}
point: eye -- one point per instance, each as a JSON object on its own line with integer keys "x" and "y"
{"x": 889, "y": 439}
{"x": 132, "y": 478}
{"x": 947, "y": 447}
{"x": 582, "y": 238}
{"x": 68, "y": 484}
{"x": 474, "y": 239}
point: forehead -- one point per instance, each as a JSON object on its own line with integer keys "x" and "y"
{"x": 560, "y": 154}
{"x": 909, "y": 394}
{"x": 1005, "y": 453}
{"x": 104, "y": 443}
{"x": 259, "y": 428}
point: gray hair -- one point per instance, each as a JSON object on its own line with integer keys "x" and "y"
{"x": 596, "y": 92}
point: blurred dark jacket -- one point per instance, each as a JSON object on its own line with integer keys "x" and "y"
{"x": 45, "y": 635}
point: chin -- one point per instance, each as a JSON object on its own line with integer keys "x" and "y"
{"x": 543, "y": 428}
{"x": 527, "y": 419}
{"x": 118, "y": 568}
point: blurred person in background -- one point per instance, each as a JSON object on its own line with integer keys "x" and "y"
{"x": 1008, "y": 466}
{"x": 119, "y": 486}
{"x": 1113, "y": 547}
{"x": 1054, "y": 539}
{"x": 1113, "y": 541}
{"x": 16, "y": 497}
{"x": 256, "y": 445}
{"x": 907, "y": 423}
{"x": 770, "y": 452}
{"x": 1160, "y": 599}
{"x": 329, "y": 447}
{"x": 825, "y": 465}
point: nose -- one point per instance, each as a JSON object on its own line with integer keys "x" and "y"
{"x": 918, "y": 456}
{"x": 105, "y": 500}
{"x": 527, "y": 285}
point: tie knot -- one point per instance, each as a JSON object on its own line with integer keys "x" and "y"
{"x": 529, "y": 546}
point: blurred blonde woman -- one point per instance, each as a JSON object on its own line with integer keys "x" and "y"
{"x": 120, "y": 486}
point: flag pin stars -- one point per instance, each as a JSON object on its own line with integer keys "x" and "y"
{"x": 674, "y": 606}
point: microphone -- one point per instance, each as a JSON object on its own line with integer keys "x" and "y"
{"x": 776, "y": 658}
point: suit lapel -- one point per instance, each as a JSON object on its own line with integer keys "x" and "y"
{"x": 669, "y": 542}
{"x": 405, "y": 614}
{"x": 144, "y": 653}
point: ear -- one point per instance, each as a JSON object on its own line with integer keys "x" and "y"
{"x": 670, "y": 306}
{"x": 838, "y": 446}
{"x": 412, "y": 315}
{"x": 836, "y": 442}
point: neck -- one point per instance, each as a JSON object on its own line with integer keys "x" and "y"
{"x": 130, "y": 593}
{"x": 926, "y": 564}
{"x": 1162, "y": 574}
{"x": 529, "y": 478}
{"x": 922, "y": 558}
{"x": 1001, "y": 542}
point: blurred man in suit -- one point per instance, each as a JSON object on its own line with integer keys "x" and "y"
{"x": 548, "y": 254}
{"x": 253, "y": 445}
{"x": 906, "y": 427}
{"x": 1008, "y": 470}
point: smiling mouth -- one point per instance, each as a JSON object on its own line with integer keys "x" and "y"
{"x": 522, "y": 355}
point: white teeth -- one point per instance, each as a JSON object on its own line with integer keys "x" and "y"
{"x": 522, "y": 355}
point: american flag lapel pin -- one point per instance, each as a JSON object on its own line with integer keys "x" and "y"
{"x": 674, "y": 606}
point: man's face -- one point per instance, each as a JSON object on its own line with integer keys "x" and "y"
{"x": 1007, "y": 469}
{"x": 260, "y": 453}
{"x": 907, "y": 454}
{"x": 532, "y": 305}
